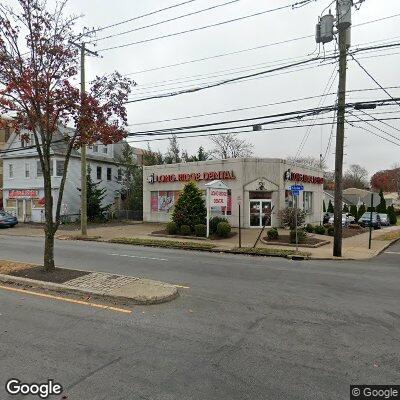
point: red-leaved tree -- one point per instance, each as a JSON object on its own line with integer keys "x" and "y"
{"x": 38, "y": 63}
{"x": 387, "y": 180}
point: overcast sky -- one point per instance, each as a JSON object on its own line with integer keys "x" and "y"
{"x": 361, "y": 147}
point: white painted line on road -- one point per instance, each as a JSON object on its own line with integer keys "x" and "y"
{"x": 392, "y": 252}
{"x": 141, "y": 257}
{"x": 181, "y": 286}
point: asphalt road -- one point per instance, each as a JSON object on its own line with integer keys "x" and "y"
{"x": 247, "y": 328}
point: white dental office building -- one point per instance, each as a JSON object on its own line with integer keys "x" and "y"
{"x": 261, "y": 186}
{"x": 23, "y": 188}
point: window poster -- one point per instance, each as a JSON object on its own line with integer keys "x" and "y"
{"x": 166, "y": 200}
{"x": 154, "y": 201}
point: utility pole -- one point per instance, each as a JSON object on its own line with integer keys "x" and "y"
{"x": 83, "y": 51}
{"x": 343, "y": 25}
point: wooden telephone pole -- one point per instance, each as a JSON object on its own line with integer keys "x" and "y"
{"x": 343, "y": 25}
{"x": 83, "y": 50}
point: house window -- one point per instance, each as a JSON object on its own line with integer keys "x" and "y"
{"x": 59, "y": 168}
{"x": 98, "y": 172}
{"x": 27, "y": 171}
{"x": 109, "y": 172}
{"x": 11, "y": 171}
{"x": 308, "y": 202}
{"x": 119, "y": 178}
{"x": 95, "y": 148}
{"x": 39, "y": 170}
{"x": 105, "y": 149}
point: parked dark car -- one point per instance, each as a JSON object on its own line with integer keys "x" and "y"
{"x": 7, "y": 220}
{"x": 327, "y": 216}
{"x": 365, "y": 220}
{"x": 385, "y": 221}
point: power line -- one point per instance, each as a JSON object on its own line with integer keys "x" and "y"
{"x": 235, "y": 132}
{"x": 139, "y": 17}
{"x": 378, "y": 120}
{"x": 164, "y": 21}
{"x": 322, "y": 99}
{"x": 373, "y": 126}
{"x": 360, "y": 65}
{"x": 197, "y": 89}
{"x": 248, "y": 49}
{"x": 243, "y": 77}
{"x": 207, "y": 26}
{"x": 298, "y": 114}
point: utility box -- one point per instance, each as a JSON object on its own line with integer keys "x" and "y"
{"x": 327, "y": 22}
{"x": 344, "y": 14}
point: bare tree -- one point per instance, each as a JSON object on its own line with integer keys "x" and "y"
{"x": 308, "y": 161}
{"x": 355, "y": 176}
{"x": 230, "y": 146}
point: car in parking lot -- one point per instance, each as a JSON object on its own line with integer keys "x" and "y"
{"x": 385, "y": 221}
{"x": 366, "y": 221}
{"x": 7, "y": 220}
{"x": 327, "y": 216}
{"x": 345, "y": 220}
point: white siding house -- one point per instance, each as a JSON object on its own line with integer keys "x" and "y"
{"x": 23, "y": 189}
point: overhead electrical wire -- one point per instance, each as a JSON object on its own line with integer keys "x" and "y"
{"x": 164, "y": 21}
{"x": 365, "y": 70}
{"x": 207, "y": 26}
{"x": 322, "y": 99}
{"x": 298, "y": 114}
{"x": 277, "y": 128}
{"x": 243, "y": 77}
{"x": 138, "y": 17}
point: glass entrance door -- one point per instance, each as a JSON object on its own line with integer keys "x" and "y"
{"x": 260, "y": 213}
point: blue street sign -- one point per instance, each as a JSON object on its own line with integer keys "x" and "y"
{"x": 296, "y": 193}
{"x": 297, "y": 187}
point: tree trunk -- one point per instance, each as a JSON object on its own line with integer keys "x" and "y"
{"x": 49, "y": 230}
{"x": 49, "y": 252}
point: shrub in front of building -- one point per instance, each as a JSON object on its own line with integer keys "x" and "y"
{"x": 172, "y": 228}
{"x": 190, "y": 208}
{"x": 331, "y": 230}
{"x": 223, "y": 229}
{"x": 353, "y": 211}
{"x": 319, "y": 230}
{"x": 309, "y": 228}
{"x": 301, "y": 236}
{"x": 273, "y": 234}
{"x": 200, "y": 230}
{"x": 214, "y": 221}
{"x": 288, "y": 217}
{"x": 185, "y": 230}
{"x": 392, "y": 215}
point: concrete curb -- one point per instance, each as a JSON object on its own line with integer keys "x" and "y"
{"x": 60, "y": 288}
{"x": 303, "y": 245}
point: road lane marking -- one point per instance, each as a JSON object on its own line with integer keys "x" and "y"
{"x": 141, "y": 257}
{"x": 181, "y": 286}
{"x": 85, "y": 303}
{"x": 392, "y": 252}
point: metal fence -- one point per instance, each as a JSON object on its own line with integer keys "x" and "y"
{"x": 125, "y": 215}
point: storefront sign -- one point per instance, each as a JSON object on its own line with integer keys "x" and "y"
{"x": 196, "y": 176}
{"x": 260, "y": 195}
{"x": 297, "y": 177}
{"x": 218, "y": 197}
{"x": 23, "y": 194}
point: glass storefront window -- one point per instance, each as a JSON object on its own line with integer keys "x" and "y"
{"x": 308, "y": 202}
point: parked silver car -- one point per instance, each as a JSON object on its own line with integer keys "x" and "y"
{"x": 345, "y": 220}
{"x": 385, "y": 221}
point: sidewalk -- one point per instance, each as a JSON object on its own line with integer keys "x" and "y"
{"x": 355, "y": 247}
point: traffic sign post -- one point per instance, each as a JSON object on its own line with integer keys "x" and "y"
{"x": 296, "y": 189}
